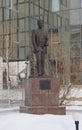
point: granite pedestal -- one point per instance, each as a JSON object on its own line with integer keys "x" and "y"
{"x": 42, "y": 96}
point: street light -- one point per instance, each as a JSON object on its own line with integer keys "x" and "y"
{"x": 28, "y": 68}
{"x": 77, "y": 125}
{"x": 76, "y": 119}
{"x": 22, "y": 76}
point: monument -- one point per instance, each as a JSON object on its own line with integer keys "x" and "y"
{"x": 40, "y": 43}
{"x": 41, "y": 91}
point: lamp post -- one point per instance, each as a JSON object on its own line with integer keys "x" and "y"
{"x": 77, "y": 125}
{"x": 22, "y": 76}
{"x": 28, "y": 68}
{"x": 76, "y": 119}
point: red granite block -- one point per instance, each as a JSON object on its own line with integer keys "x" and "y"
{"x": 43, "y": 110}
{"x": 35, "y": 96}
{"x": 41, "y": 97}
{"x": 35, "y": 85}
{"x": 36, "y": 99}
{"x": 53, "y": 99}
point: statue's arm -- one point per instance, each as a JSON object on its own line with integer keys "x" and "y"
{"x": 46, "y": 39}
{"x": 34, "y": 40}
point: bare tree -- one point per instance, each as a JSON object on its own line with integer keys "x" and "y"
{"x": 65, "y": 91}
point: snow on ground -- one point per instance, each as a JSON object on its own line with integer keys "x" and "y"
{"x": 14, "y": 120}
{"x": 20, "y": 121}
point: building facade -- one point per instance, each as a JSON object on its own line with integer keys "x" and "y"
{"x": 63, "y": 21}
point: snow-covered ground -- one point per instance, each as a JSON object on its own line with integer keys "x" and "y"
{"x": 11, "y": 119}
{"x": 20, "y": 121}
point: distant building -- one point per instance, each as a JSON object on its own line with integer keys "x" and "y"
{"x": 62, "y": 19}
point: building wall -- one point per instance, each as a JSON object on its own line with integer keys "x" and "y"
{"x": 22, "y": 23}
{"x": 1, "y": 73}
{"x": 16, "y": 24}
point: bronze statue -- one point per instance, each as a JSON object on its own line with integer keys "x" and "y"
{"x": 40, "y": 43}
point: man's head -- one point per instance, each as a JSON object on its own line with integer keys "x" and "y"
{"x": 40, "y": 23}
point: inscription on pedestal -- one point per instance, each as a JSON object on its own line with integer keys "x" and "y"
{"x": 45, "y": 84}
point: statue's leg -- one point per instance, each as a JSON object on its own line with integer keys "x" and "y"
{"x": 38, "y": 57}
{"x": 42, "y": 62}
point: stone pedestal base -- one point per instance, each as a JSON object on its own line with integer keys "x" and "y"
{"x": 57, "y": 110}
{"x": 42, "y": 96}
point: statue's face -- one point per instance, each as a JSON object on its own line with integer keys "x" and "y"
{"x": 40, "y": 23}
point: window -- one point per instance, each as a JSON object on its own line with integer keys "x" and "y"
{"x": 22, "y": 53}
{"x": 59, "y": 19}
{"x": 75, "y": 17}
{"x": 9, "y": 4}
{"x": 75, "y": 4}
{"x": 55, "y": 5}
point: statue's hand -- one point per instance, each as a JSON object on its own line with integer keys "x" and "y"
{"x": 36, "y": 49}
{"x": 39, "y": 49}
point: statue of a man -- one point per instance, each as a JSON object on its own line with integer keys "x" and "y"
{"x": 40, "y": 43}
